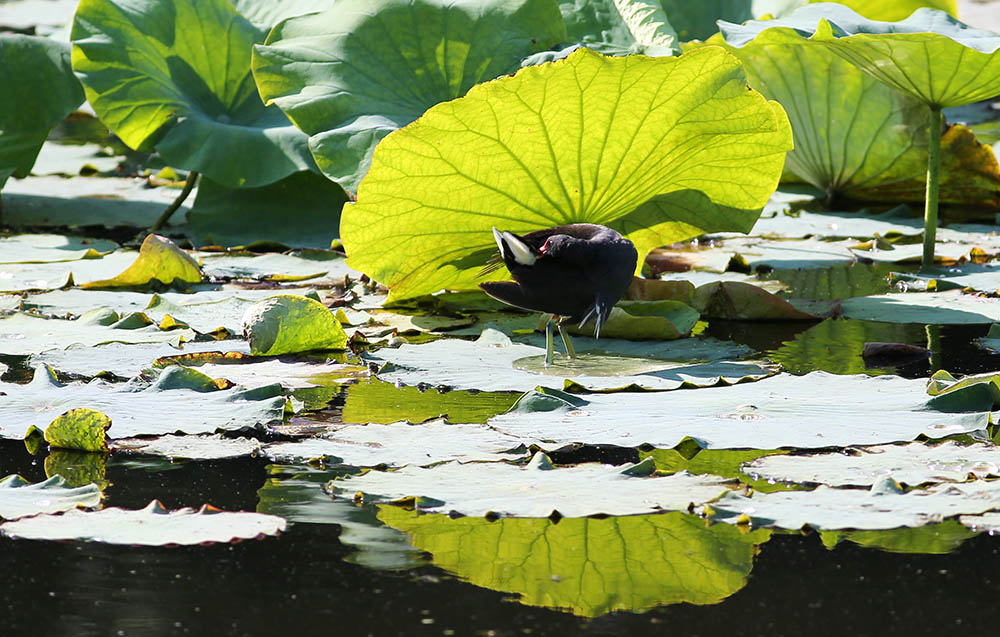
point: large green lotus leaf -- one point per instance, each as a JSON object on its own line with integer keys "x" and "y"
{"x": 589, "y": 566}
{"x": 930, "y": 55}
{"x": 151, "y": 526}
{"x": 19, "y": 498}
{"x": 214, "y": 447}
{"x": 535, "y": 490}
{"x": 783, "y": 411}
{"x": 546, "y": 147}
{"x": 267, "y": 13}
{"x": 50, "y": 248}
{"x": 172, "y": 404}
{"x": 933, "y": 539}
{"x": 236, "y": 217}
{"x": 379, "y": 402}
{"x": 27, "y": 111}
{"x": 952, "y": 307}
{"x": 885, "y": 506}
{"x": 401, "y": 444}
{"x": 912, "y": 464}
{"x": 23, "y": 334}
{"x": 856, "y": 137}
{"x": 298, "y": 494}
{"x": 495, "y": 363}
{"x": 351, "y": 74}
{"x": 124, "y": 360}
{"x": 174, "y": 76}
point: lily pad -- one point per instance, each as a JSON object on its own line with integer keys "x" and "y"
{"x": 160, "y": 259}
{"x": 349, "y": 75}
{"x": 588, "y": 163}
{"x": 258, "y": 373}
{"x": 214, "y": 447}
{"x": 495, "y": 363}
{"x": 288, "y": 324}
{"x": 783, "y": 411}
{"x": 733, "y": 300}
{"x": 151, "y": 526}
{"x": 135, "y": 410}
{"x": 26, "y": 113}
{"x": 384, "y": 403}
{"x": 536, "y": 490}
{"x": 912, "y": 464}
{"x": 936, "y": 308}
{"x": 80, "y": 429}
{"x": 146, "y": 71}
{"x": 23, "y": 334}
{"x": 585, "y": 565}
{"x": 884, "y": 507}
{"x": 19, "y": 498}
{"x": 48, "y": 248}
{"x": 124, "y": 360}
{"x": 278, "y": 267}
{"x": 401, "y": 444}
{"x": 989, "y": 522}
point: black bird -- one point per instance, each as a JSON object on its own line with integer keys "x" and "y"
{"x": 575, "y": 272}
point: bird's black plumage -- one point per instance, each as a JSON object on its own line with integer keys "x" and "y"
{"x": 577, "y": 271}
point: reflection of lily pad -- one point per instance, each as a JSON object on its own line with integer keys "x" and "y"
{"x": 494, "y": 363}
{"x": 589, "y": 566}
{"x": 536, "y": 490}
{"x": 164, "y": 407}
{"x": 933, "y": 539}
{"x": 883, "y": 507}
{"x": 152, "y": 526}
{"x": 19, "y": 498}
{"x": 836, "y": 345}
{"x": 402, "y": 444}
{"x": 911, "y": 464}
{"x": 783, "y": 411}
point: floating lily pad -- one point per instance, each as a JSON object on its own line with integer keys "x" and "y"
{"x": 151, "y": 526}
{"x": 838, "y": 225}
{"x": 288, "y": 324}
{"x": 883, "y": 507}
{"x": 214, "y": 447}
{"x": 173, "y": 404}
{"x": 586, "y": 565}
{"x": 70, "y": 160}
{"x": 788, "y": 255}
{"x": 985, "y": 277}
{"x": 48, "y": 248}
{"x": 278, "y": 267}
{"x": 494, "y": 363}
{"x": 911, "y": 464}
{"x": 159, "y": 260}
{"x": 298, "y": 494}
{"x": 943, "y": 251}
{"x": 80, "y": 429}
{"x": 22, "y": 334}
{"x": 19, "y": 498}
{"x": 349, "y": 75}
{"x": 989, "y": 522}
{"x": 401, "y": 444}
{"x": 124, "y": 360}
{"x": 384, "y": 403}
{"x": 783, "y": 411}
{"x": 567, "y": 157}
{"x": 251, "y": 373}
{"x": 49, "y": 276}
{"x": 536, "y": 490}
{"x": 934, "y": 308}
{"x": 733, "y": 300}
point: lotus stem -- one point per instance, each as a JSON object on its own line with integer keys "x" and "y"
{"x": 176, "y": 203}
{"x": 567, "y": 342}
{"x": 933, "y": 173}
{"x": 549, "y": 342}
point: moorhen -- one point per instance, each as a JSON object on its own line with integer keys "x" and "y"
{"x": 575, "y": 272}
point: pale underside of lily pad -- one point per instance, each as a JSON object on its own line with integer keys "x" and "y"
{"x": 213, "y": 447}
{"x": 124, "y": 360}
{"x": 783, "y": 411}
{"x": 151, "y": 526}
{"x": 136, "y": 410}
{"x": 936, "y": 308}
{"x": 22, "y": 334}
{"x": 52, "y": 275}
{"x": 50, "y": 248}
{"x": 288, "y": 374}
{"x": 401, "y": 444}
{"x": 494, "y": 363}
{"x": 830, "y": 508}
{"x": 19, "y": 498}
{"x": 324, "y": 267}
{"x": 912, "y": 464}
{"x": 498, "y": 488}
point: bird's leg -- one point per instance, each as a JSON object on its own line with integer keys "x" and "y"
{"x": 549, "y": 347}
{"x": 567, "y": 341}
